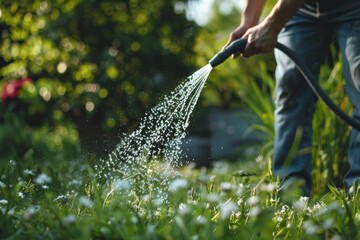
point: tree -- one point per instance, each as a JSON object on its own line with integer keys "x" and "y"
{"x": 100, "y": 64}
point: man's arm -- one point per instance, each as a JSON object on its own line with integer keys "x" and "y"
{"x": 249, "y": 18}
{"x": 262, "y": 38}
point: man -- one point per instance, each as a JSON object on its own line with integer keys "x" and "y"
{"x": 306, "y": 27}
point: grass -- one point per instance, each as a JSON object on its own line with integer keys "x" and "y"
{"x": 231, "y": 200}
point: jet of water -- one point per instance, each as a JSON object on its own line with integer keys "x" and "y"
{"x": 146, "y": 157}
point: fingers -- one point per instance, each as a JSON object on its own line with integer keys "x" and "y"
{"x": 257, "y": 47}
{"x": 260, "y": 40}
{"x": 235, "y": 55}
{"x": 234, "y": 35}
{"x": 249, "y": 48}
{"x": 254, "y": 45}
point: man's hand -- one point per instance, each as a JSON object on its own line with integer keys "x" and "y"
{"x": 249, "y": 18}
{"x": 234, "y": 35}
{"x": 261, "y": 39}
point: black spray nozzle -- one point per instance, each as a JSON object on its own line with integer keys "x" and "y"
{"x": 235, "y": 46}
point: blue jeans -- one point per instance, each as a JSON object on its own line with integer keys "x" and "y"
{"x": 310, "y": 37}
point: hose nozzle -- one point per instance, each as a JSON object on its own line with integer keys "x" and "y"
{"x": 235, "y": 46}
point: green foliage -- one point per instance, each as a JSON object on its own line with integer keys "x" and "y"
{"x": 331, "y": 136}
{"x": 66, "y": 201}
{"x": 22, "y": 140}
{"x": 98, "y": 63}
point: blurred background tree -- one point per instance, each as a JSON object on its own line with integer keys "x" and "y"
{"x": 95, "y": 64}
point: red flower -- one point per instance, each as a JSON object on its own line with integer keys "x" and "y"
{"x": 12, "y": 88}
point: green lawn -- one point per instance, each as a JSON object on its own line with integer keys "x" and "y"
{"x": 239, "y": 200}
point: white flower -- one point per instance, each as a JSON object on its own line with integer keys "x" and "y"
{"x": 85, "y": 201}
{"x": 69, "y": 219}
{"x": 226, "y": 186}
{"x": 328, "y": 223}
{"x": 201, "y": 220}
{"x": 213, "y": 198}
{"x": 134, "y": 219}
{"x": 21, "y": 195}
{"x": 304, "y": 198}
{"x": 284, "y": 208}
{"x": 2, "y": 184}
{"x": 320, "y": 208}
{"x": 158, "y": 201}
{"x": 240, "y": 191}
{"x": 178, "y": 184}
{"x": 11, "y": 211}
{"x": 42, "y": 178}
{"x": 195, "y": 237}
{"x": 29, "y": 172}
{"x": 310, "y": 228}
{"x": 255, "y": 211}
{"x": 12, "y": 164}
{"x": 336, "y": 237}
{"x": 3, "y": 201}
{"x": 227, "y": 209}
{"x": 253, "y": 200}
{"x": 268, "y": 187}
{"x": 61, "y": 197}
{"x": 75, "y": 182}
{"x": 184, "y": 209}
{"x": 301, "y": 204}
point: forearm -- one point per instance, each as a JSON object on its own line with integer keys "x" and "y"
{"x": 281, "y": 13}
{"x": 251, "y": 12}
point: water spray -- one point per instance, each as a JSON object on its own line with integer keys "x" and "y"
{"x": 239, "y": 46}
